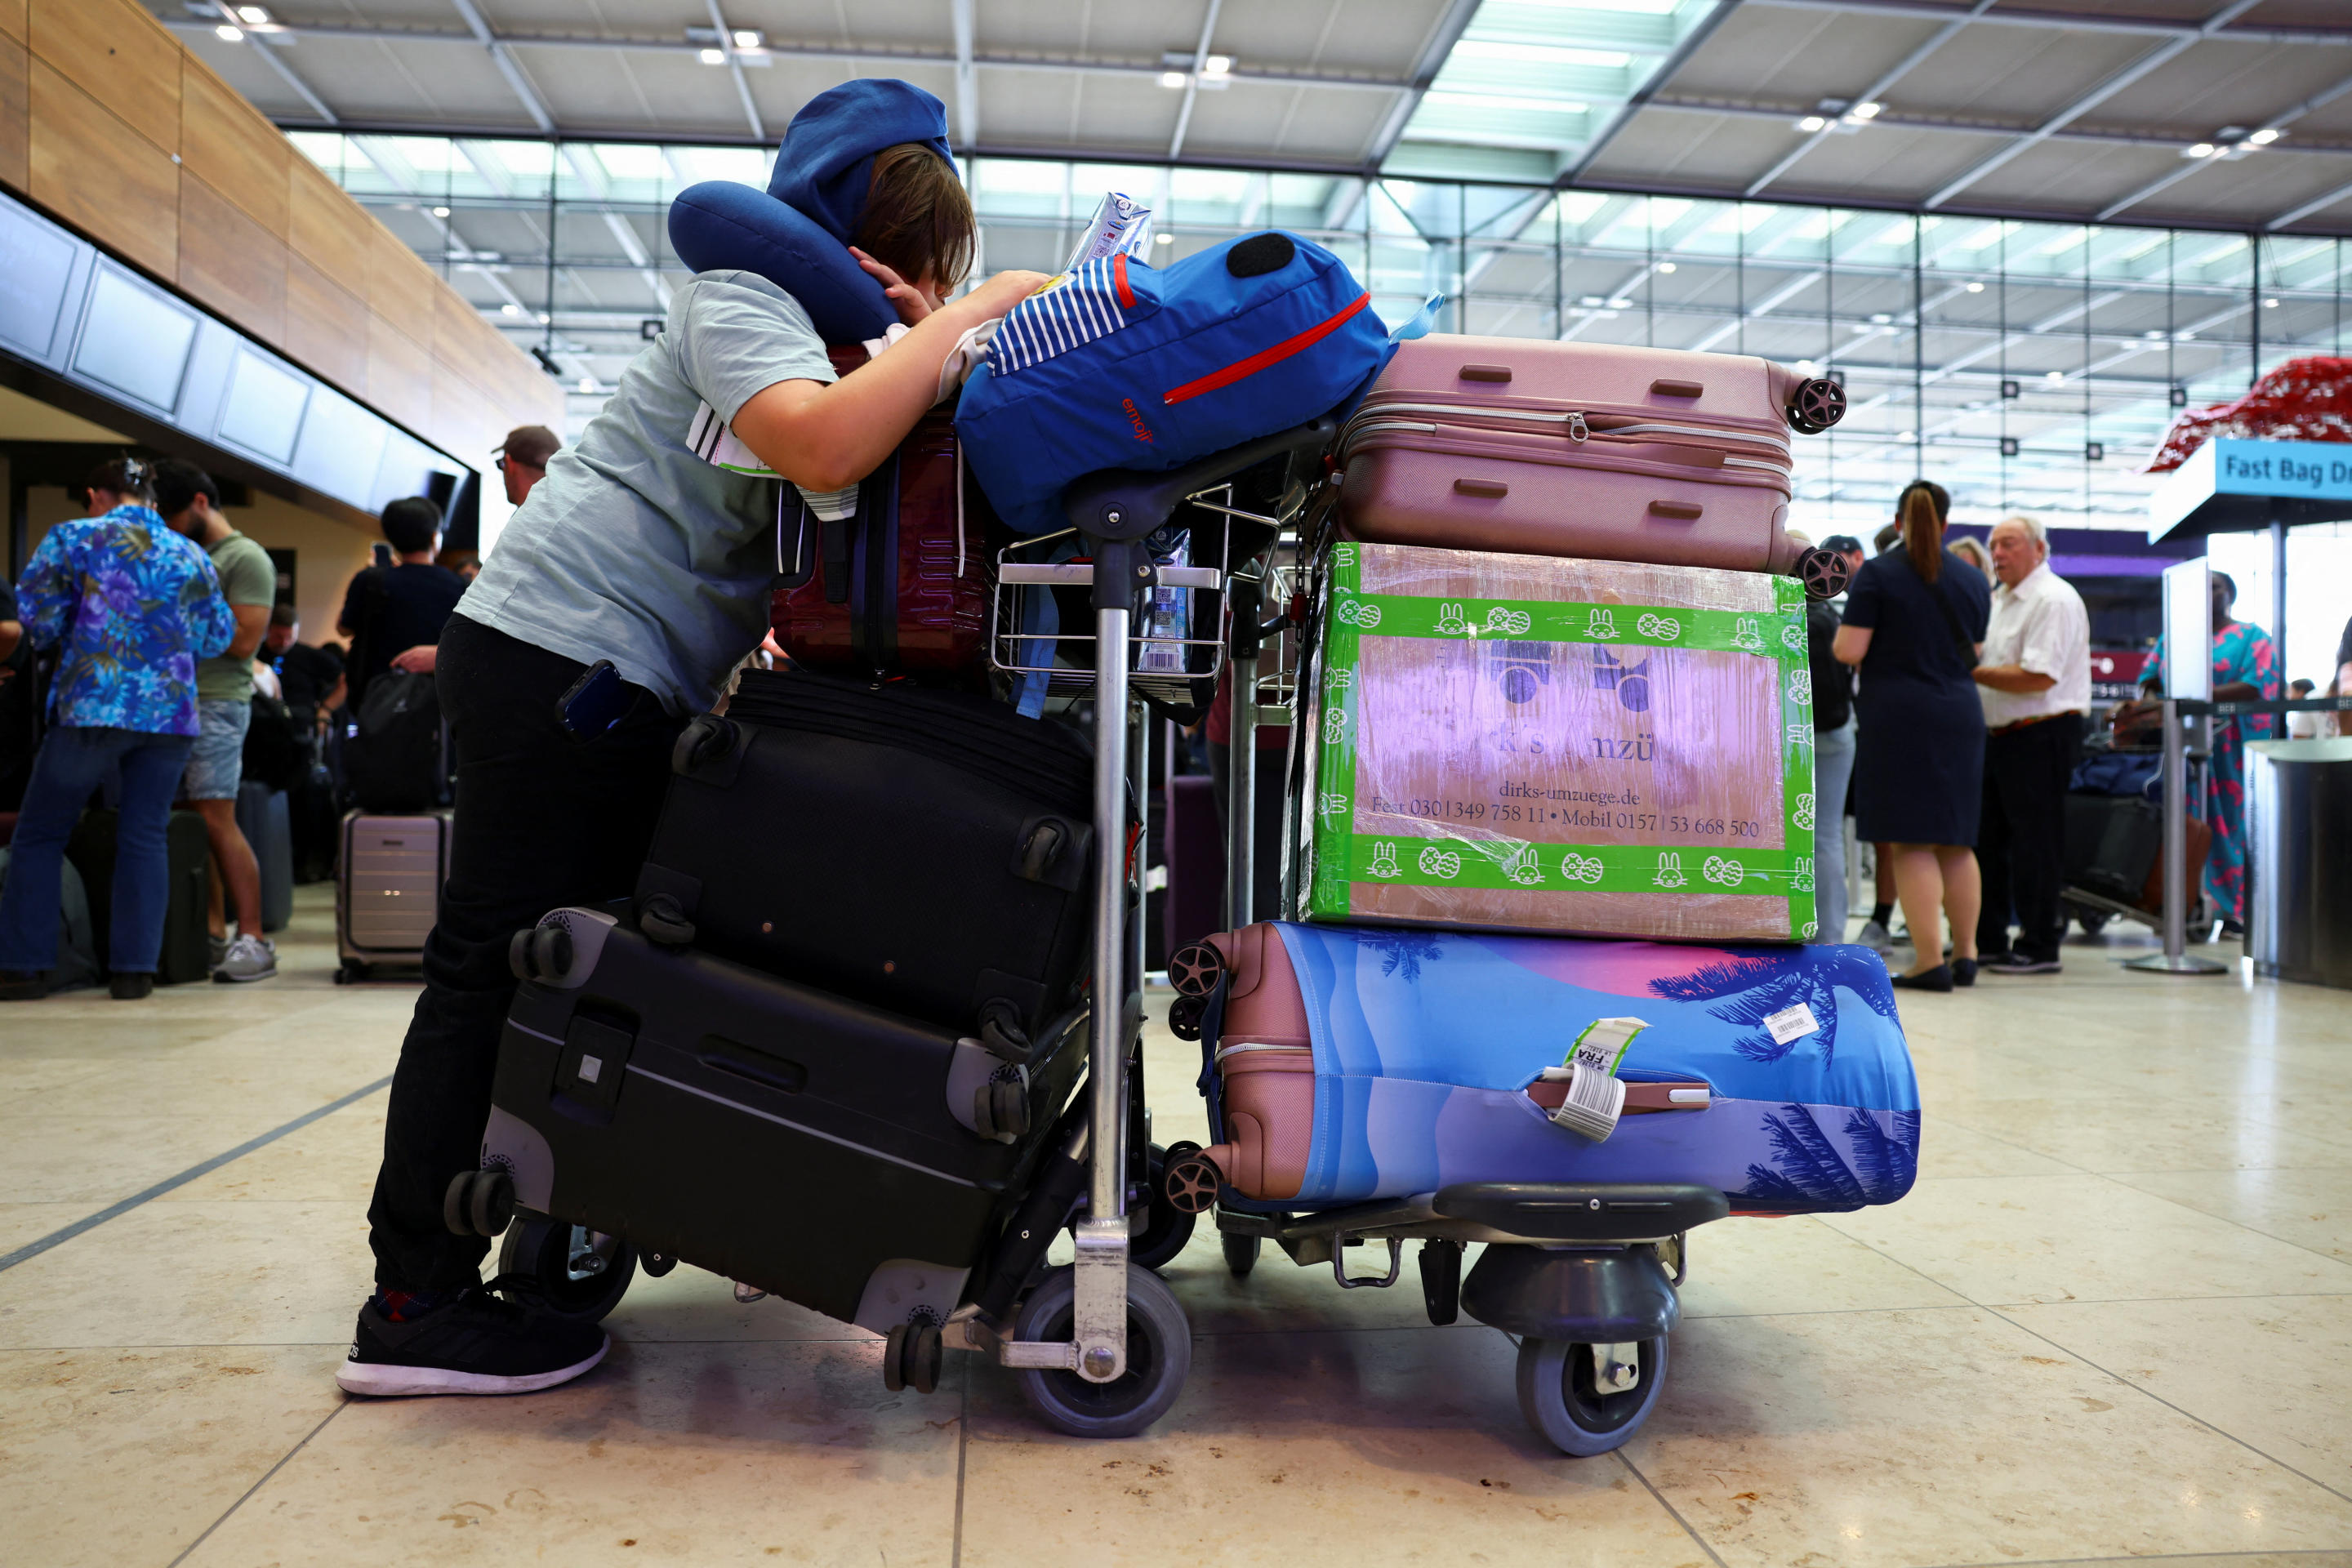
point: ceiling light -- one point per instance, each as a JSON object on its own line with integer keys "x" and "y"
{"x": 713, "y": 56}
{"x": 1881, "y": 318}
{"x": 2270, "y": 304}
{"x": 252, "y": 15}
{"x": 1622, "y": 304}
{"x": 2202, "y": 149}
{"x": 2154, "y": 334}
{"x": 1163, "y": 239}
{"x": 542, "y": 318}
{"x": 1665, "y": 266}
{"x": 510, "y": 308}
{"x": 748, "y": 38}
{"x": 1859, "y": 327}
{"x": 1217, "y": 65}
{"x": 587, "y": 384}
{"x": 1806, "y": 367}
{"x": 229, "y": 35}
{"x": 1171, "y": 78}
{"x": 1976, "y": 287}
{"x": 2055, "y": 375}
{"x": 1589, "y": 300}
{"x": 440, "y": 212}
{"x": 1864, "y": 111}
{"x": 2266, "y": 136}
{"x": 1813, "y": 123}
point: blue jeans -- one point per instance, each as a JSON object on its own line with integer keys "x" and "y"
{"x": 1832, "y": 770}
{"x": 71, "y": 763}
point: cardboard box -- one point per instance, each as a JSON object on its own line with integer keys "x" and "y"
{"x": 1527, "y": 743}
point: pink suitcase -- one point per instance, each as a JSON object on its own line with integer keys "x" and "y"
{"x": 1595, "y": 450}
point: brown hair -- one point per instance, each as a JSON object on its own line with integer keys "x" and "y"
{"x": 918, "y": 220}
{"x": 1921, "y": 512}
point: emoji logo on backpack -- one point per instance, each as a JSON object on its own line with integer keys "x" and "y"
{"x": 1135, "y": 418}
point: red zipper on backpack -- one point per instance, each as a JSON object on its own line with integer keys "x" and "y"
{"x": 1257, "y": 362}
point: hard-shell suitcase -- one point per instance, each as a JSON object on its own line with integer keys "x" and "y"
{"x": 1350, "y": 1063}
{"x": 1605, "y": 451}
{"x": 186, "y": 955}
{"x": 921, "y": 850}
{"x": 388, "y": 889}
{"x": 265, "y": 817}
{"x": 795, "y": 1141}
{"x": 2114, "y": 849}
{"x": 902, "y": 583}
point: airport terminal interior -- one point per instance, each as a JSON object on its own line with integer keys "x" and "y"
{"x": 673, "y": 857}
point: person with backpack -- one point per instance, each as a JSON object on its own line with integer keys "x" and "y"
{"x": 393, "y": 615}
{"x": 131, "y": 607}
{"x": 190, "y": 503}
{"x": 632, "y": 582}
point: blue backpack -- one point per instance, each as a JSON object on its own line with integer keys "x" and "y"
{"x": 1116, "y": 365}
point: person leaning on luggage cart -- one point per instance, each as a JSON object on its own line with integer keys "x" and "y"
{"x": 1914, "y": 624}
{"x": 190, "y": 503}
{"x": 2035, "y": 684}
{"x": 638, "y": 574}
{"x": 131, "y": 606}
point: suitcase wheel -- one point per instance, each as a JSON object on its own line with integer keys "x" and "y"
{"x": 999, "y": 1108}
{"x": 1589, "y": 1399}
{"x": 351, "y": 973}
{"x": 566, "y": 1269}
{"x": 1196, "y": 969}
{"x": 1441, "y": 1280}
{"x": 478, "y": 1203}
{"x": 1167, "y": 1229}
{"x": 1184, "y": 1017}
{"x": 1824, "y": 573}
{"x": 1192, "y": 1181}
{"x": 541, "y": 952}
{"x": 656, "y": 1264}
{"x": 911, "y": 1356}
{"x": 663, "y": 921}
{"x": 1241, "y": 1254}
{"x": 1815, "y": 405}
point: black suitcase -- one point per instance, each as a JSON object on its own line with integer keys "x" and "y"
{"x": 818, "y": 1149}
{"x": 266, "y": 818}
{"x": 186, "y": 953}
{"x": 921, "y": 850}
{"x": 2112, "y": 845}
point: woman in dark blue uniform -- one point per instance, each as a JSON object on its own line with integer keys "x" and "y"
{"x": 1915, "y": 623}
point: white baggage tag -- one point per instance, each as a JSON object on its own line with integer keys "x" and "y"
{"x": 1596, "y": 1096}
{"x": 1792, "y": 1023}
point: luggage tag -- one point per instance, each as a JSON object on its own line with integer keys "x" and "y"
{"x": 1596, "y": 1095}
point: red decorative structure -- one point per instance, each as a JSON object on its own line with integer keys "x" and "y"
{"x": 2303, "y": 400}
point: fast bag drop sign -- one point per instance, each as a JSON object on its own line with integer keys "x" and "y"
{"x": 1529, "y": 744}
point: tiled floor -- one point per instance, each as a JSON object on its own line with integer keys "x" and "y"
{"x": 2113, "y": 1320}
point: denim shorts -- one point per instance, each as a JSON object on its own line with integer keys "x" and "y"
{"x": 216, "y": 765}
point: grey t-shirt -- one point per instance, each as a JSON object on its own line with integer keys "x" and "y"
{"x": 634, "y": 549}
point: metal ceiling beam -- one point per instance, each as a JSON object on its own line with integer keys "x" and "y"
{"x": 1433, "y": 54}
{"x": 1786, "y": 113}
{"x": 624, "y": 233}
{"x": 506, "y": 64}
{"x": 2160, "y": 55}
{"x": 879, "y": 54}
{"x": 269, "y": 57}
{"x": 1192, "y": 79}
{"x": 1871, "y": 94}
{"x": 966, "y": 81}
{"x": 2317, "y": 204}
{"x": 735, "y": 70}
{"x": 1658, "y": 79}
{"x": 2070, "y": 21}
{"x": 2279, "y": 121}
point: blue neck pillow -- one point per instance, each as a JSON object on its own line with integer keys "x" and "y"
{"x": 722, "y": 226}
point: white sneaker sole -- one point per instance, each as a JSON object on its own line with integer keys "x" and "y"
{"x": 222, "y": 977}
{"x": 385, "y": 1380}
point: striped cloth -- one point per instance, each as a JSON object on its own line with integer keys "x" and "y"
{"x": 1087, "y": 302}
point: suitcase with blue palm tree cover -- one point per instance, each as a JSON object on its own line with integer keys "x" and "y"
{"x": 1346, "y": 1064}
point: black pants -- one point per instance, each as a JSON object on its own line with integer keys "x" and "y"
{"x": 543, "y": 820}
{"x": 2021, "y": 835}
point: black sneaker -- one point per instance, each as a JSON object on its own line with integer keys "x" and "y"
{"x": 2019, "y": 963}
{"x": 130, "y": 985}
{"x": 476, "y": 1344}
{"x": 23, "y": 985}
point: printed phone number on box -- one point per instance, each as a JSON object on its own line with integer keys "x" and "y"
{"x": 1518, "y": 812}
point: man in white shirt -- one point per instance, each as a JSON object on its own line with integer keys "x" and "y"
{"x": 2035, "y": 683}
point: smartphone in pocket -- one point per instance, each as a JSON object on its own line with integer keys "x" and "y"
{"x": 599, "y": 700}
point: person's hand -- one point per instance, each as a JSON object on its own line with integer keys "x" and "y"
{"x": 417, "y": 660}
{"x": 911, "y": 301}
{"x": 1001, "y": 293}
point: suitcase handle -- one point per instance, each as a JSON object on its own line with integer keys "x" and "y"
{"x": 1480, "y": 488}
{"x": 1486, "y": 373}
{"x": 1665, "y": 387}
{"x": 1680, "y": 511}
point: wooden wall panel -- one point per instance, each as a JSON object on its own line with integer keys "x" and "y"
{"x": 399, "y": 375}
{"x": 231, "y": 263}
{"x": 11, "y": 19}
{"x": 326, "y": 327}
{"x": 462, "y": 415}
{"x": 327, "y": 228}
{"x": 400, "y": 287}
{"x": 16, "y": 111}
{"x": 120, "y": 54}
{"x": 224, "y": 141}
{"x": 101, "y": 175}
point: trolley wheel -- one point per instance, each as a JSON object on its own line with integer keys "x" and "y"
{"x": 1241, "y": 1254}
{"x": 1824, "y": 573}
{"x": 1191, "y": 1181}
{"x": 656, "y": 1264}
{"x": 350, "y": 973}
{"x": 541, "y": 1252}
{"x": 1159, "y": 1357}
{"x": 911, "y": 1356}
{"x": 1560, "y": 1397}
{"x": 2092, "y": 921}
{"x": 1184, "y": 1017}
{"x": 1196, "y": 969}
{"x": 1815, "y": 405}
{"x": 662, "y": 922}
{"x": 1441, "y": 1280}
{"x": 1167, "y": 1229}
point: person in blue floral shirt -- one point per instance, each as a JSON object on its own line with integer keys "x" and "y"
{"x": 131, "y": 606}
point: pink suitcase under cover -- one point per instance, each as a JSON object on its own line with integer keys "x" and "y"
{"x": 1595, "y": 450}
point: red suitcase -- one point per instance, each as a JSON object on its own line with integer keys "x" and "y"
{"x": 1602, "y": 451}
{"x": 902, "y": 586}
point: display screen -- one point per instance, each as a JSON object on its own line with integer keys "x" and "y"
{"x": 2188, "y": 625}
{"x": 342, "y": 447}
{"x": 35, "y": 265}
{"x": 134, "y": 341}
{"x": 262, "y": 412}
